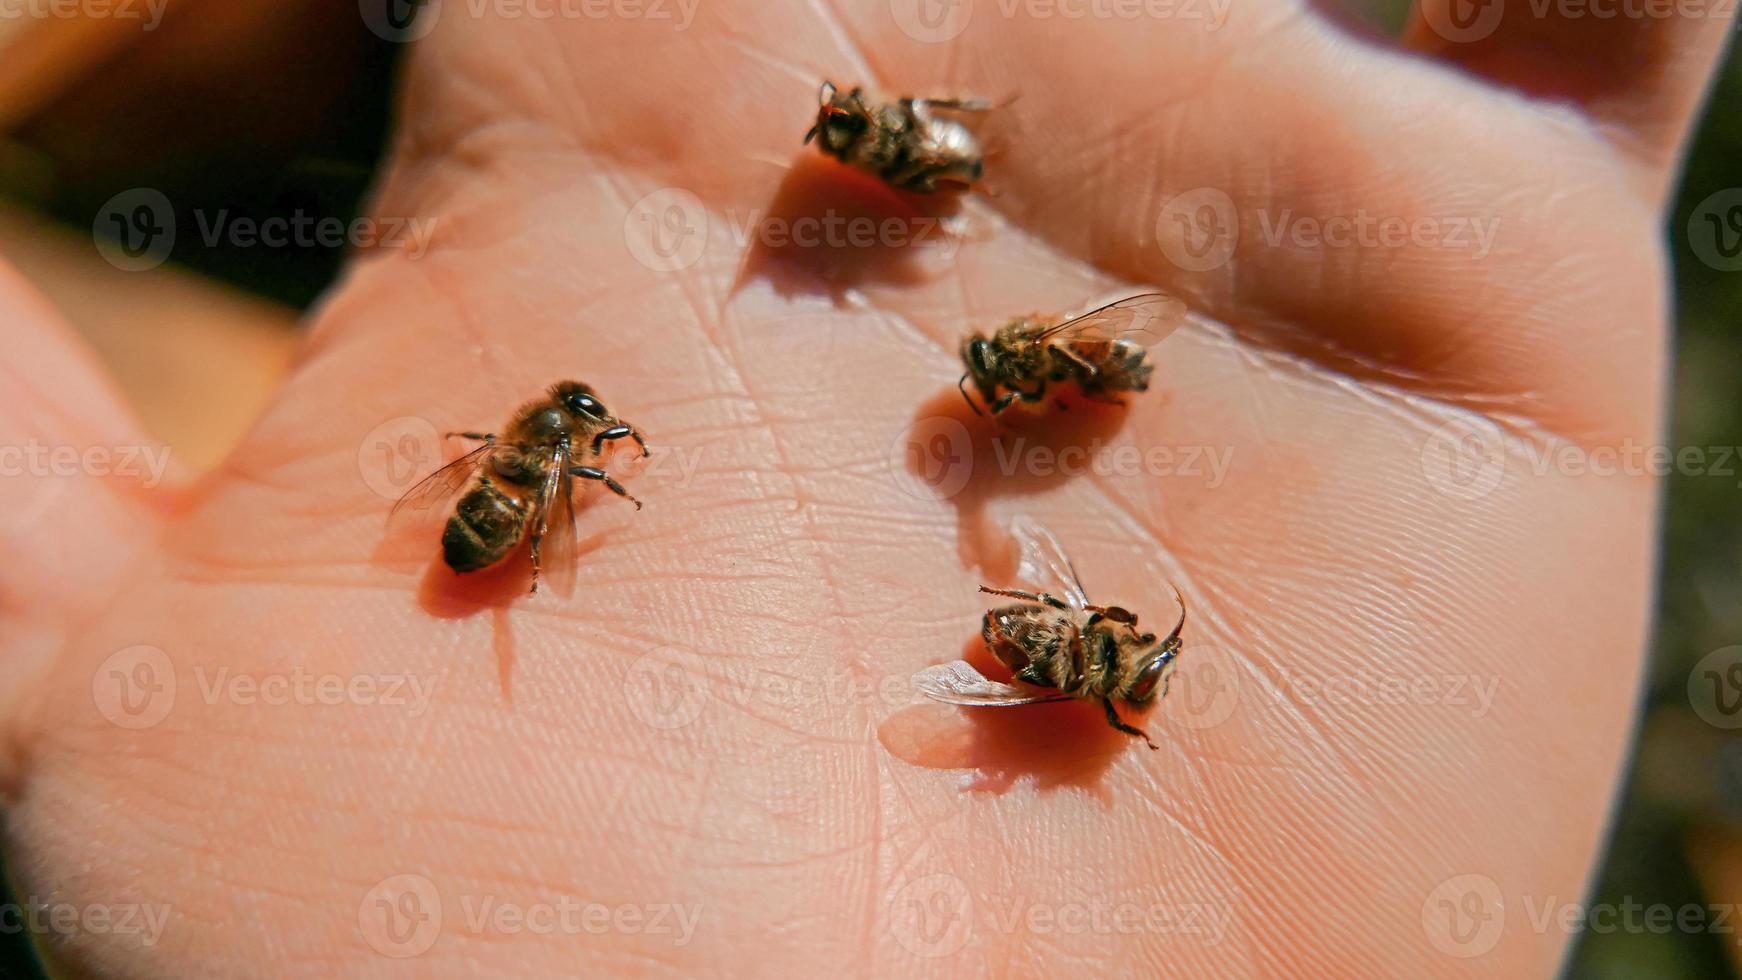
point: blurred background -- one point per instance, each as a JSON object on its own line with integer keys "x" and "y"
{"x": 259, "y": 110}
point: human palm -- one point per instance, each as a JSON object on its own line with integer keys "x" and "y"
{"x": 1410, "y": 656}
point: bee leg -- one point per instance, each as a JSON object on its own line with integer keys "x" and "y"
{"x": 537, "y": 539}
{"x": 594, "y": 473}
{"x": 1113, "y": 719}
{"x": 618, "y": 432}
{"x": 1040, "y": 597}
{"x": 1077, "y": 359}
{"x": 475, "y": 436}
{"x": 955, "y": 105}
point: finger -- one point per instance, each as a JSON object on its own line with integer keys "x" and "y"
{"x": 77, "y": 482}
{"x": 1639, "y": 67}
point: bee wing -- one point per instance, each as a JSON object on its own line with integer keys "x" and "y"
{"x": 1044, "y": 563}
{"x": 556, "y": 525}
{"x": 429, "y": 498}
{"x": 1145, "y": 320}
{"x": 959, "y": 683}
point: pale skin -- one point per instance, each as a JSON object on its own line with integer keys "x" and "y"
{"x": 789, "y": 787}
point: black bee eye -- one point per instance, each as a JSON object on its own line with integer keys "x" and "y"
{"x": 586, "y": 405}
{"x": 978, "y": 350}
{"x": 1143, "y": 686}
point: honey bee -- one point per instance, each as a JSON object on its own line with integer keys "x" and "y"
{"x": 1104, "y": 351}
{"x": 1060, "y": 646}
{"x": 902, "y": 142}
{"x": 524, "y": 483}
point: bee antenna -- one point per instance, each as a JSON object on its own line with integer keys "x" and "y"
{"x": 962, "y": 386}
{"x": 810, "y": 135}
{"x": 1181, "y": 625}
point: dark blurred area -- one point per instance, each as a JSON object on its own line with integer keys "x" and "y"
{"x": 302, "y": 132}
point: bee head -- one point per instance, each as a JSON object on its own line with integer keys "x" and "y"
{"x": 841, "y": 119}
{"x": 1156, "y": 664}
{"x": 579, "y": 400}
{"x": 981, "y": 362}
{"x": 1151, "y": 679}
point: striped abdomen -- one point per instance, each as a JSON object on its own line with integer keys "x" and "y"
{"x": 486, "y": 526}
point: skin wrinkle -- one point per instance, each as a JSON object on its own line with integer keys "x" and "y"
{"x": 462, "y": 783}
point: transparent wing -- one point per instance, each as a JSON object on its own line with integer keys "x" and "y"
{"x": 1145, "y": 320}
{"x": 556, "y": 526}
{"x": 959, "y": 683}
{"x": 1044, "y": 564}
{"x": 429, "y": 499}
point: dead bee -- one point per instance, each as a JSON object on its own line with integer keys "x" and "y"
{"x": 1103, "y": 351}
{"x": 901, "y": 141}
{"x": 1060, "y": 646}
{"x": 524, "y": 483}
